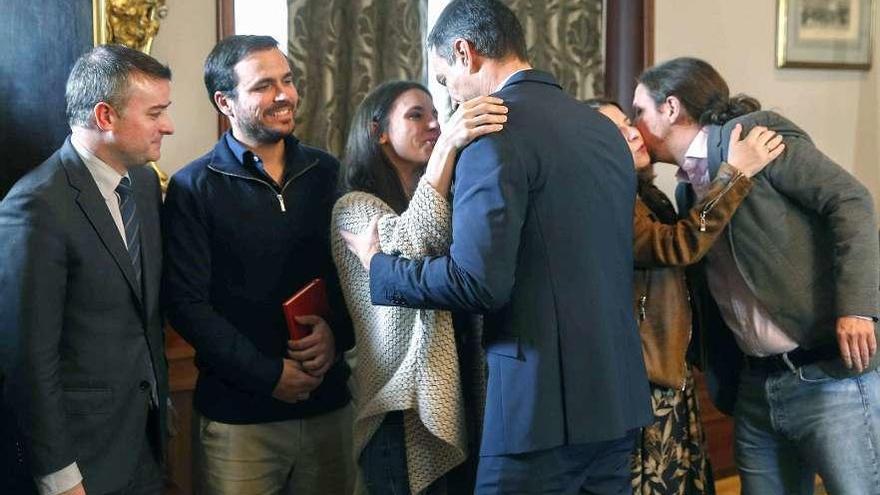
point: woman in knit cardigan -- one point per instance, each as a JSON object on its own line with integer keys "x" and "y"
{"x": 670, "y": 456}
{"x": 410, "y": 425}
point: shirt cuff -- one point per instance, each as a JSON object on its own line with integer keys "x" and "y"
{"x": 869, "y": 318}
{"x": 60, "y": 481}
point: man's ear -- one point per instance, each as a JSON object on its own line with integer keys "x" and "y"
{"x": 222, "y": 100}
{"x": 464, "y": 52}
{"x": 673, "y": 110}
{"x": 105, "y": 116}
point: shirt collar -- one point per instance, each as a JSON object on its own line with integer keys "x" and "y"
{"x": 252, "y": 161}
{"x": 106, "y": 178}
{"x": 242, "y": 154}
{"x": 695, "y": 158}
{"x": 506, "y": 79}
{"x": 699, "y": 147}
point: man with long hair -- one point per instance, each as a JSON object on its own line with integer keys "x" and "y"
{"x": 787, "y": 299}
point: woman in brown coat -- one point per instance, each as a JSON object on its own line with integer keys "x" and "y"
{"x": 670, "y": 457}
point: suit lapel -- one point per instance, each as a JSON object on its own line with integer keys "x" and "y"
{"x": 95, "y": 209}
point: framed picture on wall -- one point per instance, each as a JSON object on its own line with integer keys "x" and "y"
{"x": 830, "y": 34}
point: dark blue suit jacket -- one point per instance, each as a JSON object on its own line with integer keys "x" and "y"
{"x": 542, "y": 243}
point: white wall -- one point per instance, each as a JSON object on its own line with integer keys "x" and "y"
{"x": 185, "y": 38}
{"x": 839, "y": 109}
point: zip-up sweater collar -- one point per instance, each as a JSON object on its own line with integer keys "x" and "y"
{"x": 231, "y": 157}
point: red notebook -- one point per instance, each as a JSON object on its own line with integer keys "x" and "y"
{"x": 310, "y": 300}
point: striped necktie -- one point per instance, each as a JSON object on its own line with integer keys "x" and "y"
{"x": 128, "y": 208}
{"x": 132, "y": 224}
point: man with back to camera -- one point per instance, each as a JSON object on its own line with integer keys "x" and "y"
{"x": 246, "y": 226}
{"x": 82, "y": 343}
{"x": 787, "y": 298}
{"x": 567, "y": 387}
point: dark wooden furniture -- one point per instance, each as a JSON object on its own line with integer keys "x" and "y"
{"x": 719, "y": 432}
{"x": 182, "y": 375}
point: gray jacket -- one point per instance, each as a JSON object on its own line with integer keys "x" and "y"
{"x": 805, "y": 241}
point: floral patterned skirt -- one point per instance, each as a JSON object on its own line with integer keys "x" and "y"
{"x": 671, "y": 458}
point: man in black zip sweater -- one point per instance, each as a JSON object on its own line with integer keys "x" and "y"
{"x": 246, "y": 226}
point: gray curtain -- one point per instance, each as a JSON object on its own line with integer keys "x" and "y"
{"x": 341, "y": 49}
{"x": 566, "y": 38}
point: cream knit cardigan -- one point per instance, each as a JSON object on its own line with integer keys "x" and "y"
{"x": 406, "y": 359}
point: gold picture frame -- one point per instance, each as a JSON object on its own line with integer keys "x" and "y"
{"x": 133, "y": 23}
{"x": 825, "y": 34}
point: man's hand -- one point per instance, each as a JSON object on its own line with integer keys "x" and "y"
{"x": 751, "y": 154}
{"x": 77, "y": 490}
{"x": 857, "y": 341}
{"x": 317, "y": 351}
{"x": 365, "y": 244}
{"x": 294, "y": 384}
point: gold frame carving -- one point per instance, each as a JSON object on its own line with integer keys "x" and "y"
{"x": 133, "y": 23}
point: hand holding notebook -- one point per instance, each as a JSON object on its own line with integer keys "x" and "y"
{"x": 310, "y": 300}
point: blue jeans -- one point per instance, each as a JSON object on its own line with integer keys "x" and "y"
{"x": 383, "y": 460}
{"x": 789, "y": 426}
{"x": 594, "y": 468}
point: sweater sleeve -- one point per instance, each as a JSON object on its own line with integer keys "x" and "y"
{"x": 423, "y": 229}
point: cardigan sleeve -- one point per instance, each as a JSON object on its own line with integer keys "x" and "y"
{"x": 423, "y": 229}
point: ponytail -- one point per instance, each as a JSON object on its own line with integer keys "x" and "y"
{"x": 734, "y": 107}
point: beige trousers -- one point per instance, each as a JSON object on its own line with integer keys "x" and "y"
{"x": 295, "y": 457}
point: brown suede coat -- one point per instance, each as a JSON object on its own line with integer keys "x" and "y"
{"x": 663, "y": 245}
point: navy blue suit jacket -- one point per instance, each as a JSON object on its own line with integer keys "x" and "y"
{"x": 542, "y": 244}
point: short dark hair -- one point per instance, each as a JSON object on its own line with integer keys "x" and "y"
{"x": 365, "y": 167}
{"x": 490, "y": 25}
{"x": 700, "y": 88}
{"x": 103, "y": 74}
{"x": 220, "y": 64}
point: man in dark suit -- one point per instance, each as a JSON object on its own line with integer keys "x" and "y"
{"x": 82, "y": 345}
{"x": 542, "y": 244}
{"x": 788, "y": 296}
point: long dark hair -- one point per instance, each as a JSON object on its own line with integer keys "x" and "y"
{"x": 700, "y": 88}
{"x": 365, "y": 166}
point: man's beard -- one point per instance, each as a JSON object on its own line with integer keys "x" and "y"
{"x": 263, "y": 134}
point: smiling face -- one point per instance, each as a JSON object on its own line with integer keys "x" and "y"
{"x": 138, "y": 128}
{"x": 654, "y": 123}
{"x": 630, "y": 133}
{"x": 412, "y": 130}
{"x": 263, "y": 107}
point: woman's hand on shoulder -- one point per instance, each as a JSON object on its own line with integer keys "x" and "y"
{"x": 752, "y": 153}
{"x": 474, "y": 118}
